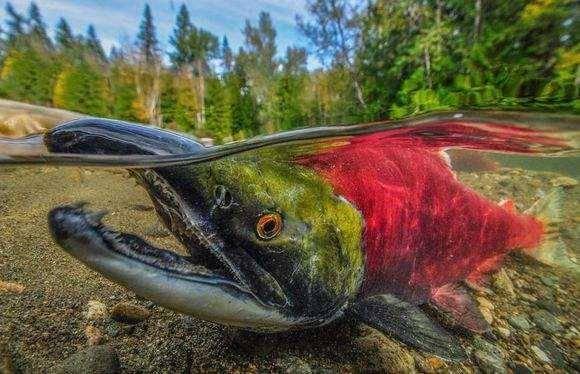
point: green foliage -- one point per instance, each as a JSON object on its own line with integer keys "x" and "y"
{"x": 28, "y": 75}
{"x": 380, "y": 59}
{"x": 81, "y": 88}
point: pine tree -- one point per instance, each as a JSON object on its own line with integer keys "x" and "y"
{"x": 64, "y": 36}
{"x": 182, "y": 53}
{"x": 94, "y": 44}
{"x": 219, "y": 110}
{"x": 16, "y": 23}
{"x": 227, "y": 55}
{"x": 147, "y": 39}
{"x": 37, "y": 26}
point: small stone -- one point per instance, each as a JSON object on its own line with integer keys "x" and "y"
{"x": 503, "y": 283}
{"x": 294, "y": 365}
{"x": 95, "y": 360}
{"x": 96, "y": 311}
{"x": 129, "y": 313}
{"x": 528, "y": 297}
{"x": 541, "y": 355}
{"x": 564, "y": 182}
{"x": 546, "y": 322}
{"x": 487, "y": 315}
{"x": 488, "y": 357}
{"x": 520, "y": 322}
{"x": 10, "y": 287}
{"x": 504, "y": 332}
{"x": 94, "y": 335}
{"x": 485, "y": 303}
{"x": 553, "y": 353}
{"x": 519, "y": 368}
{"x": 549, "y": 281}
{"x": 383, "y": 354}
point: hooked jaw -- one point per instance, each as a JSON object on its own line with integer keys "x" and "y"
{"x": 162, "y": 276}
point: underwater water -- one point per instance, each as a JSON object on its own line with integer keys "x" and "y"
{"x": 310, "y": 223}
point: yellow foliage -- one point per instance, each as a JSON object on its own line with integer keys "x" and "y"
{"x": 536, "y": 8}
{"x": 58, "y": 99}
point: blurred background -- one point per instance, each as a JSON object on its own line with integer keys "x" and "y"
{"x": 232, "y": 69}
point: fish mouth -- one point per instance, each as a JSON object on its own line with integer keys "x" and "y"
{"x": 225, "y": 293}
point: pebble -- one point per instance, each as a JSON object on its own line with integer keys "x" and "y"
{"x": 294, "y": 365}
{"x": 487, "y": 314}
{"x": 94, "y": 335}
{"x": 96, "y": 311}
{"x": 519, "y": 368}
{"x": 528, "y": 297}
{"x": 520, "y": 322}
{"x": 546, "y": 322}
{"x": 488, "y": 357}
{"x": 553, "y": 353}
{"x": 10, "y": 287}
{"x": 98, "y": 359}
{"x": 549, "y": 281}
{"x": 503, "y": 283}
{"x": 383, "y": 354}
{"x": 541, "y": 355}
{"x": 504, "y": 332}
{"x": 564, "y": 181}
{"x": 129, "y": 313}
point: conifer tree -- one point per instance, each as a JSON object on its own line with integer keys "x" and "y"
{"x": 181, "y": 55}
{"x": 64, "y": 36}
{"x": 15, "y": 22}
{"x": 147, "y": 38}
{"x": 94, "y": 44}
{"x": 37, "y": 27}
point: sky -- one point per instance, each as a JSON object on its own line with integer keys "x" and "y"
{"x": 117, "y": 21}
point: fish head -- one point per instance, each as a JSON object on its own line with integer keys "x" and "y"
{"x": 271, "y": 246}
{"x": 277, "y": 226}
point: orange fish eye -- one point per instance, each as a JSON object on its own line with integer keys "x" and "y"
{"x": 269, "y": 226}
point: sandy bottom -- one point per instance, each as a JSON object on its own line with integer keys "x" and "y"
{"x": 46, "y": 323}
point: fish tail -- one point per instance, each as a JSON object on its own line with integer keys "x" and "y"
{"x": 552, "y": 249}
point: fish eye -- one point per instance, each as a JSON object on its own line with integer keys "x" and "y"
{"x": 223, "y": 197}
{"x": 269, "y": 226}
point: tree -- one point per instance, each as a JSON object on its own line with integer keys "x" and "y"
{"x": 37, "y": 27}
{"x": 182, "y": 54}
{"x": 147, "y": 39}
{"x": 28, "y": 75}
{"x": 81, "y": 88}
{"x": 64, "y": 36}
{"x": 335, "y": 34}
{"x": 227, "y": 56}
{"x": 16, "y": 23}
{"x": 147, "y": 77}
{"x": 94, "y": 44}
{"x": 219, "y": 110}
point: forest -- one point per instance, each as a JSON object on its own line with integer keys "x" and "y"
{"x": 380, "y": 59}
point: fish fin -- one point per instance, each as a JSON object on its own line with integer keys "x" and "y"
{"x": 552, "y": 250}
{"x": 456, "y": 301}
{"x": 408, "y": 324}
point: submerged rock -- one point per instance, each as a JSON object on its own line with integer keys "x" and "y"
{"x": 503, "y": 283}
{"x": 553, "y": 353}
{"x": 520, "y": 322}
{"x": 11, "y": 287}
{"x": 129, "y": 313}
{"x": 6, "y": 366}
{"x": 541, "y": 355}
{"x": 293, "y": 365}
{"x": 95, "y": 360}
{"x": 96, "y": 311}
{"x": 546, "y": 322}
{"x": 488, "y": 357}
{"x": 94, "y": 335}
{"x": 383, "y": 354}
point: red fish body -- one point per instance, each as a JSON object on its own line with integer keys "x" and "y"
{"x": 424, "y": 230}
